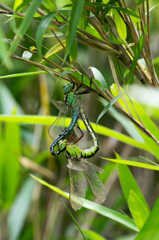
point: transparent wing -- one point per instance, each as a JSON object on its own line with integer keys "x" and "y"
{"x": 59, "y": 125}
{"x": 95, "y": 167}
{"x": 77, "y": 184}
{"x": 94, "y": 181}
{"x": 60, "y": 105}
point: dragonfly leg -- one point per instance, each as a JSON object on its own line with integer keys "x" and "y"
{"x": 87, "y": 90}
{"x": 80, "y": 85}
{"x": 79, "y": 138}
{"x": 72, "y": 83}
{"x": 72, "y": 137}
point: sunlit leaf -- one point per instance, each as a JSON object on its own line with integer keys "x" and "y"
{"x": 10, "y": 163}
{"x": 97, "y": 75}
{"x": 15, "y": 75}
{"x": 150, "y": 228}
{"x": 138, "y": 210}
{"x": 133, "y": 163}
{"x": 128, "y": 183}
{"x": 120, "y": 24}
{"x": 56, "y": 48}
{"x": 91, "y": 235}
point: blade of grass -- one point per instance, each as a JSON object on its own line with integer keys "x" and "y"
{"x": 76, "y": 223}
{"x": 116, "y": 216}
{"x": 150, "y": 228}
{"x": 106, "y": 108}
{"x": 45, "y": 120}
{"x": 137, "y": 209}
{"x": 15, "y": 75}
{"x": 128, "y": 183}
{"x": 133, "y": 163}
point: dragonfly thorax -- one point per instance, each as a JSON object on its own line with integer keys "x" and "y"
{"x": 67, "y": 88}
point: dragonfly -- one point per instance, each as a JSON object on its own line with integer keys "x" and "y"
{"x": 82, "y": 172}
{"x": 73, "y": 103}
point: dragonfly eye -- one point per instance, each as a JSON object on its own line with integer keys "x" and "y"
{"x": 67, "y": 88}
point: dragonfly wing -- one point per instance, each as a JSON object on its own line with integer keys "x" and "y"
{"x": 60, "y": 105}
{"x": 77, "y": 185}
{"x": 58, "y": 126}
{"x": 96, "y": 185}
{"x": 95, "y": 167}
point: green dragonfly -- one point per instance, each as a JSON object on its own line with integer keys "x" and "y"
{"x": 81, "y": 170}
{"x": 73, "y": 103}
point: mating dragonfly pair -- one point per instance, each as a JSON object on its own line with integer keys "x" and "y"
{"x": 79, "y": 169}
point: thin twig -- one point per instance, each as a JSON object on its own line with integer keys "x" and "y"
{"x": 148, "y": 20}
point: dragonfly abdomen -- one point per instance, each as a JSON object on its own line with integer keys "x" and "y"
{"x": 75, "y": 116}
{"x": 90, "y": 129}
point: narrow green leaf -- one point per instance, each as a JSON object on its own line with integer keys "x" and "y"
{"x": 15, "y": 75}
{"x": 74, "y": 20}
{"x": 92, "y": 235}
{"x": 115, "y": 40}
{"x": 56, "y": 48}
{"x": 25, "y": 24}
{"x": 116, "y": 216}
{"x": 107, "y": 6}
{"x": 10, "y": 166}
{"x": 128, "y": 183}
{"x": 120, "y": 24}
{"x": 106, "y": 108}
{"x": 65, "y": 73}
{"x": 31, "y": 119}
{"x": 137, "y": 209}
{"x": 49, "y": 5}
{"x": 140, "y": 2}
{"x": 150, "y": 228}
{"x": 74, "y": 50}
{"x": 19, "y": 5}
{"x": 133, "y": 163}
{"x": 20, "y": 209}
{"x": 76, "y": 223}
{"x": 97, "y": 75}
{"x": 60, "y": 4}
{"x": 42, "y": 29}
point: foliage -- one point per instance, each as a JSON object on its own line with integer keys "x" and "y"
{"x": 43, "y": 44}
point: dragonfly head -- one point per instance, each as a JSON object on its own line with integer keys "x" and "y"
{"x": 62, "y": 145}
{"x": 67, "y": 88}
